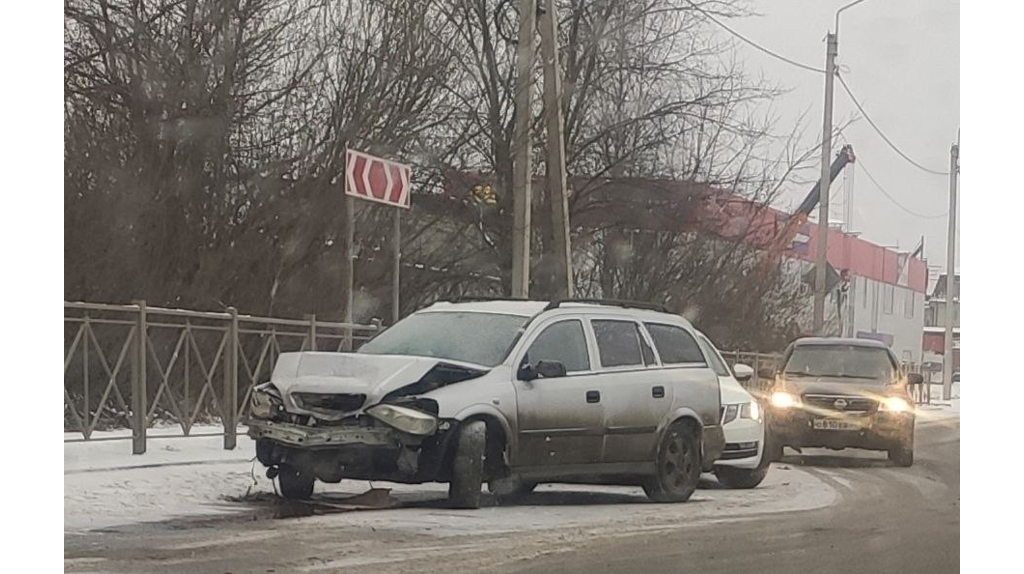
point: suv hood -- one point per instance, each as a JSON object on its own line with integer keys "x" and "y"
{"x": 353, "y": 373}
{"x": 834, "y": 386}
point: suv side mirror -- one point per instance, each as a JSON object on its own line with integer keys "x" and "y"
{"x": 915, "y": 379}
{"x": 742, "y": 372}
{"x": 542, "y": 370}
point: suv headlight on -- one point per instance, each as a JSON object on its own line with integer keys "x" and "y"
{"x": 404, "y": 419}
{"x": 784, "y": 400}
{"x": 265, "y": 402}
{"x": 895, "y": 405}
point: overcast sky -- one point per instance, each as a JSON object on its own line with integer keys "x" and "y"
{"x": 902, "y": 61}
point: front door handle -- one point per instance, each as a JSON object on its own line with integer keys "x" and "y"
{"x": 593, "y": 396}
{"x": 658, "y": 392}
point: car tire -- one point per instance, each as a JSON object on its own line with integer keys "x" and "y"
{"x": 293, "y": 484}
{"x": 678, "y": 465}
{"x": 902, "y": 455}
{"x": 468, "y": 466}
{"x": 743, "y": 478}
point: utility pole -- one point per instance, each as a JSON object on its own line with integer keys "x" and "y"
{"x": 821, "y": 262}
{"x": 521, "y": 143}
{"x": 947, "y": 351}
{"x": 561, "y": 249}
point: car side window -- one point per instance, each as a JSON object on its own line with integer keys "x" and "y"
{"x": 648, "y": 353}
{"x": 564, "y": 342}
{"x": 675, "y": 344}
{"x": 717, "y": 365}
{"x": 618, "y": 343}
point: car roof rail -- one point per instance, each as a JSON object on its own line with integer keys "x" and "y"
{"x": 555, "y": 303}
{"x": 482, "y": 298}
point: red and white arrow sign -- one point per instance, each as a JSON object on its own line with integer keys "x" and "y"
{"x": 377, "y": 179}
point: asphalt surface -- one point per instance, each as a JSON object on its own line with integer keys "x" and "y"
{"x": 864, "y": 516}
{"x": 888, "y": 520}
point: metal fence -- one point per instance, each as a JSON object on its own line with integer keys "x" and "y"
{"x": 760, "y": 362}
{"x": 130, "y": 366}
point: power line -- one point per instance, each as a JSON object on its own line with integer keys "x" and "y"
{"x": 860, "y": 164}
{"x": 753, "y": 43}
{"x": 879, "y": 130}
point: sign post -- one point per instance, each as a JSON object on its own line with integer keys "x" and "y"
{"x": 383, "y": 181}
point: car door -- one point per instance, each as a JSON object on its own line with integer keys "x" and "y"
{"x": 633, "y": 388}
{"x": 560, "y": 419}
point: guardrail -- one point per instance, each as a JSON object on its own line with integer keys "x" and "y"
{"x": 128, "y": 366}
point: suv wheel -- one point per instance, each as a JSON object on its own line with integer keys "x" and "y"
{"x": 294, "y": 485}
{"x": 678, "y": 465}
{"x": 468, "y": 465}
{"x": 902, "y": 455}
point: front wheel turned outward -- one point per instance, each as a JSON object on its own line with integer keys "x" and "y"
{"x": 468, "y": 466}
{"x": 678, "y": 465}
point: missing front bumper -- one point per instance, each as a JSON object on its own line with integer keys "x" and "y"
{"x": 325, "y": 437}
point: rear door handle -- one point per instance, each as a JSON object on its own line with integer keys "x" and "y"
{"x": 658, "y": 392}
{"x": 593, "y": 396}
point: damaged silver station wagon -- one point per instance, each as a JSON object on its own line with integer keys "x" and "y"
{"x": 511, "y": 393}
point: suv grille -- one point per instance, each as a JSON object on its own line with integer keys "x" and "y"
{"x": 846, "y": 404}
{"x": 330, "y": 402}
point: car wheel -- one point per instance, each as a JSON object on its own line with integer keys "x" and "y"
{"x": 678, "y": 465}
{"x": 294, "y": 484}
{"x": 468, "y": 466}
{"x": 734, "y": 477}
{"x": 902, "y": 455}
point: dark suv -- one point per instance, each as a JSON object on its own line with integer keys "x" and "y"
{"x": 842, "y": 393}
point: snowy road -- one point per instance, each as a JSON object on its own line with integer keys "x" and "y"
{"x": 172, "y": 517}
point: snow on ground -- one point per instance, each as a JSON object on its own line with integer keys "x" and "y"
{"x": 940, "y": 409}
{"x": 106, "y": 486}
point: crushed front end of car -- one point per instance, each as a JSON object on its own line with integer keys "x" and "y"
{"x": 332, "y": 416}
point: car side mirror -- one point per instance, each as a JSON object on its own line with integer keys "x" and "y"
{"x": 766, "y": 374}
{"x": 742, "y": 372}
{"x": 915, "y": 379}
{"x": 542, "y": 370}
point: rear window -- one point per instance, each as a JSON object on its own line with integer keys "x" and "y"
{"x": 675, "y": 345}
{"x": 841, "y": 362}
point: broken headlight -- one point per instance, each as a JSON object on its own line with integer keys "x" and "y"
{"x": 404, "y": 419}
{"x": 264, "y": 402}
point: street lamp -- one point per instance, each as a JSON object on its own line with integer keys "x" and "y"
{"x": 821, "y": 262}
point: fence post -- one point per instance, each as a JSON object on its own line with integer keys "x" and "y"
{"x": 312, "y": 331}
{"x": 139, "y": 392}
{"x": 230, "y": 414}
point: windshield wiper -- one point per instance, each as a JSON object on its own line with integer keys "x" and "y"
{"x": 799, "y": 374}
{"x": 839, "y": 376}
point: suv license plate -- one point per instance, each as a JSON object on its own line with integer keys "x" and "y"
{"x": 832, "y": 424}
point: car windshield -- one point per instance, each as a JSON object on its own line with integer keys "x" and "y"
{"x": 478, "y": 338}
{"x": 840, "y": 361}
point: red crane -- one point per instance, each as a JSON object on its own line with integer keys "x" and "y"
{"x": 784, "y": 238}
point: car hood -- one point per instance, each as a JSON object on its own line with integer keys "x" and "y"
{"x": 372, "y": 375}
{"x": 834, "y": 386}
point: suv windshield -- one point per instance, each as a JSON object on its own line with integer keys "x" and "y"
{"x": 841, "y": 361}
{"x": 479, "y": 338}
